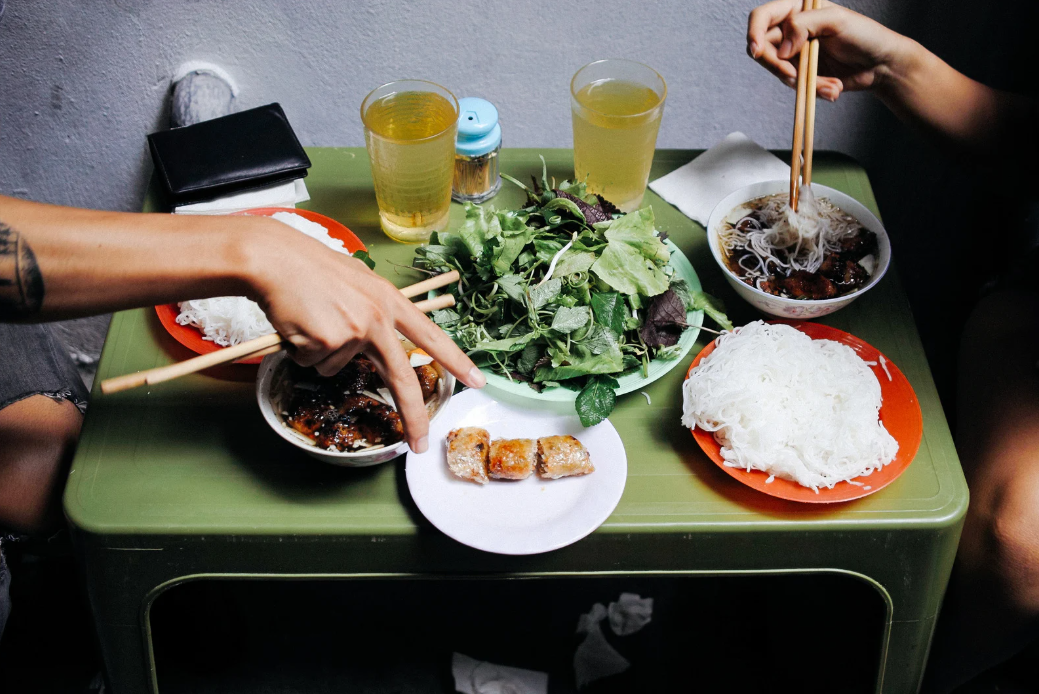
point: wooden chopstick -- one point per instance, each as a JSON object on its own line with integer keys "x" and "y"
{"x": 262, "y": 346}
{"x": 799, "y": 119}
{"x": 813, "y": 75}
{"x": 434, "y": 282}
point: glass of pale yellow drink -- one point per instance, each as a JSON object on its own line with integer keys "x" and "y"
{"x": 409, "y": 129}
{"x": 616, "y": 107}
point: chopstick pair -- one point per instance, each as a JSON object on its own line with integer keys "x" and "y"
{"x": 267, "y": 344}
{"x": 804, "y": 115}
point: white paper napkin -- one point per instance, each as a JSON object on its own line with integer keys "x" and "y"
{"x": 733, "y": 163}
{"x": 478, "y": 677}
{"x": 278, "y": 195}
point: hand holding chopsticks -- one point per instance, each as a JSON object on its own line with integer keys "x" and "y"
{"x": 804, "y": 115}
{"x": 264, "y": 345}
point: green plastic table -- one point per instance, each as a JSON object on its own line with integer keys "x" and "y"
{"x": 184, "y": 480}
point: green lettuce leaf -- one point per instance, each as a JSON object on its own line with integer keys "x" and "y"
{"x": 568, "y": 320}
{"x": 513, "y": 286}
{"x": 542, "y": 294}
{"x": 583, "y": 363}
{"x": 574, "y": 261}
{"x": 634, "y": 259}
{"x": 508, "y": 344}
{"x": 702, "y": 301}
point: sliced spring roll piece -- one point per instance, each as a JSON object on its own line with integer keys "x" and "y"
{"x": 512, "y": 459}
{"x": 467, "y": 451}
{"x": 562, "y": 456}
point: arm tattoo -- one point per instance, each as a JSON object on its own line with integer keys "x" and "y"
{"x": 21, "y": 284}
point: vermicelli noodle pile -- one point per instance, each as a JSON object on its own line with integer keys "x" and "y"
{"x": 800, "y": 409}
{"x": 782, "y": 238}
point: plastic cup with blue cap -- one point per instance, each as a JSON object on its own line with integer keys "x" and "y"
{"x": 477, "y": 145}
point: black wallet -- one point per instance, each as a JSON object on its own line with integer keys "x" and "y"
{"x": 242, "y": 151}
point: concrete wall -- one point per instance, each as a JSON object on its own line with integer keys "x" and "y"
{"x": 82, "y": 82}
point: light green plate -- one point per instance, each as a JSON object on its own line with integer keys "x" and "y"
{"x": 514, "y": 391}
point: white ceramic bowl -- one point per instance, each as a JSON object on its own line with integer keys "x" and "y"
{"x": 270, "y": 368}
{"x": 777, "y": 305}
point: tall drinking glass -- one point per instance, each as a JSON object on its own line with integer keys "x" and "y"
{"x": 616, "y": 107}
{"x": 409, "y": 129}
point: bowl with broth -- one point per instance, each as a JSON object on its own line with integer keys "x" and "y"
{"x": 797, "y": 265}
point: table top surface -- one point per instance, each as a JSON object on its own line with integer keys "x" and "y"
{"x": 195, "y": 457}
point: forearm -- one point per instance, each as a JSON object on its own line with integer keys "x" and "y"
{"x": 925, "y": 91}
{"x": 59, "y": 262}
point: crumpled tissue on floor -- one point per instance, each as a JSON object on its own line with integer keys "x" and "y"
{"x": 595, "y": 657}
{"x": 630, "y": 613}
{"x": 478, "y": 677}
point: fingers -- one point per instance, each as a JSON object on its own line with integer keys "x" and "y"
{"x": 764, "y": 18}
{"x": 334, "y": 362}
{"x": 798, "y": 28}
{"x": 306, "y": 351}
{"x": 829, "y": 88}
{"x": 393, "y": 365}
{"x": 427, "y": 335}
{"x": 783, "y": 69}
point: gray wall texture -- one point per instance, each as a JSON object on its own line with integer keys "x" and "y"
{"x": 83, "y": 81}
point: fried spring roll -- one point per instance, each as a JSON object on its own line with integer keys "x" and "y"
{"x": 467, "y": 451}
{"x": 512, "y": 459}
{"x": 562, "y": 456}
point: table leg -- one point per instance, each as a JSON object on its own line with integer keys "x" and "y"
{"x": 120, "y": 585}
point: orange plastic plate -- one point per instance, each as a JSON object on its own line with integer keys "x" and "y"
{"x": 191, "y": 337}
{"x": 899, "y": 412}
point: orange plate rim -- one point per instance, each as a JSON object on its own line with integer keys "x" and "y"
{"x": 899, "y": 411}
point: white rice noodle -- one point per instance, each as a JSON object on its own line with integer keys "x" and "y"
{"x": 225, "y": 320}
{"x": 799, "y": 409}
{"x": 805, "y": 236}
{"x": 230, "y": 320}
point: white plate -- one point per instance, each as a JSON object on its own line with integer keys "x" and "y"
{"x": 524, "y": 517}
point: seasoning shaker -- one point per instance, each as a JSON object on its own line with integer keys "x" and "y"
{"x": 476, "y": 151}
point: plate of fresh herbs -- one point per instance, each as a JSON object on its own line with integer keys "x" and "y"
{"x": 568, "y": 299}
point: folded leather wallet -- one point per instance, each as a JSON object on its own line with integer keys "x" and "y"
{"x": 244, "y": 150}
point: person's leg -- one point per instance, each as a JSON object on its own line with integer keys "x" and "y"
{"x": 41, "y": 402}
{"x": 37, "y": 438}
{"x": 992, "y": 608}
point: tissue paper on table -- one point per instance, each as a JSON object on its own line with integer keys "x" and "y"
{"x": 278, "y": 195}
{"x": 478, "y": 677}
{"x": 737, "y": 161}
{"x": 595, "y": 657}
{"x": 630, "y": 613}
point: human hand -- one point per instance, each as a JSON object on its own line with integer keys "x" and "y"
{"x": 331, "y": 307}
{"x": 855, "y": 52}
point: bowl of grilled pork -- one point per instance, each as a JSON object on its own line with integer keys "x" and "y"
{"x": 348, "y": 419}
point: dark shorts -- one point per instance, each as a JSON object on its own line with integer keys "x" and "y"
{"x": 5, "y": 591}
{"x": 34, "y": 362}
